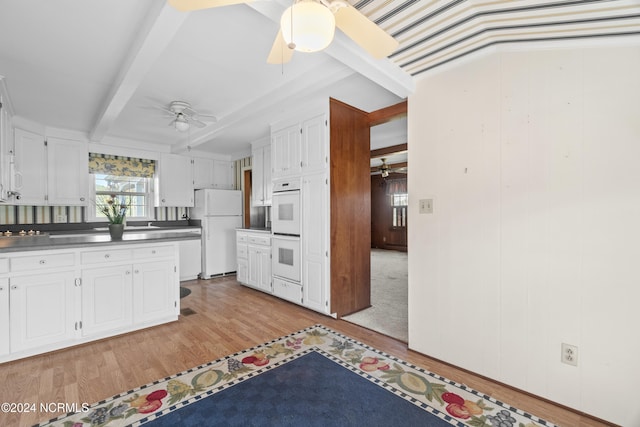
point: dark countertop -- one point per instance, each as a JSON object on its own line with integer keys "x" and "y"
{"x": 98, "y": 236}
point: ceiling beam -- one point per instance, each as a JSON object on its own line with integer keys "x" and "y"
{"x": 388, "y": 114}
{"x": 162, "y": 24}
{"x": 385, "y": 151}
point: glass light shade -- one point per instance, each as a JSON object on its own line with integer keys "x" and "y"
{"x": 313, "y": 26}
{"x": 181, "y": 124}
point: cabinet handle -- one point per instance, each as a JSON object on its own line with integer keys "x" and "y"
{"x": 14, "y": 287}
{"x": 153, "y": 251}
{"x": 82, "y": 199}
{"x": 136, "y": 271}
{"x": 127, "y": 272}
{"x": 106, "y": 256}
{"x": 42, "y": 262}
{"x": 1, "y": 289}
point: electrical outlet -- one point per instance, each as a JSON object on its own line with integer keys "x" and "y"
{"x": 569, "y": 354}
{"x": 61, "y": 218}
{"x": 426, "y": 206}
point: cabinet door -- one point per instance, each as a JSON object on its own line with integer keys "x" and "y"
{"x": 68, "y": 172}
{"x": 155, "y": 291}
{"x": 4, "y": 316}
{"x": 265, "y": 270}
{"x": 4, "y": 151}
{"x": 243, "y": 271}
{"x": 267, "y": 186}
{"x": 174, "y": 181}
{"x": 285, "y": 152}
{"x": 223, "y": 175}
{"x": 30, "y": 168}
{"x": 42, "y": 310}
{"x": 190, "y": 259}
{"x": 315, "y": 241}
{"x": 106, "y": 299}
{"x": 314, "y": 145}
{"x": 253, "y": 270}
{"x": 202, "y": 173}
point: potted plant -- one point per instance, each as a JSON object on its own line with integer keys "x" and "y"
{"x": 115, "y": 210}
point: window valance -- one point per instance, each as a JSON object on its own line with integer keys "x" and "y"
{"x": 397, "y": 185}
{"x": 121, "y": 166}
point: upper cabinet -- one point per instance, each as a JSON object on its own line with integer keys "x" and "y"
{"x": 4, "y": 150}
{"x": 213, "y": 173}
{"x": 261, "y": 187}
{"x": 174, "y": 181}
{"x": 49, "y": 171}
{"x": 67, "y": 185}
{"x": 301, "y": 148}
{"x": 285, "y": 151}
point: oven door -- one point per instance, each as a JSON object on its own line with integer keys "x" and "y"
{"x": 285, "y": 212}
{"x": 285, "y": 257}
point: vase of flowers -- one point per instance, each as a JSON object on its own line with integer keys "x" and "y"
{"x": 116, "y": 212}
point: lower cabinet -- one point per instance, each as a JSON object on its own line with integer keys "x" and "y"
{"x": 59, "y": 298}
{"x": 4, "y": 316}
{"x": 107, "y": 299}
{"x": 42, "y": 310}
{"x": 287, "y": 290}
{"x": 254, "y": 259}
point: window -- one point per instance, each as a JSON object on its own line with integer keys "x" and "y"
{"x": 399, "y": 203}
{"x": 136, "y": 191}
{"x": 129, "y": 179}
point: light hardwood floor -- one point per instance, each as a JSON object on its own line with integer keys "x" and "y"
{"x": 228, "y": 318}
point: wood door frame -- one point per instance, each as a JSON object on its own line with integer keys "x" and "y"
{"x": 245, "y": 184}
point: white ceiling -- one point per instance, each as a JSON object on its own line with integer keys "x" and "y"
{"x": 101, "y": 67}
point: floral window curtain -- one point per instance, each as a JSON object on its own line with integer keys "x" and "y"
{"x": 121, "y": 166}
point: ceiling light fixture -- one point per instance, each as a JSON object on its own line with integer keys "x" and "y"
{"x": 308, "y": 26}
{"x": 180, "y": 123}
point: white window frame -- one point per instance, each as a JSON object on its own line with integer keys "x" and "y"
{"x": 91, "y": 215}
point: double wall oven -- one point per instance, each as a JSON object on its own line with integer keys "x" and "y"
{"x": 286, "y": 227}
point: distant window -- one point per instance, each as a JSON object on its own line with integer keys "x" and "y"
{"x": 399, "y": 203}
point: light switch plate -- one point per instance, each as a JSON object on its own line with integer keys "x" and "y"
{"x": 426, "y": 206}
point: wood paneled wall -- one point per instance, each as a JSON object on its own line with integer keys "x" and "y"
{"x": 383, "y": 235}
{"x": 350, "y": 209}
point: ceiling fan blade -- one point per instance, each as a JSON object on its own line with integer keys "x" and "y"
{"x": 368, "y": 35}
{"x": 197, "y": 123}
{"x": 189, "y": 5}
{"x": 280, "y": 52}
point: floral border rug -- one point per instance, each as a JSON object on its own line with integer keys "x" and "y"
{"x": 454, "y": 403}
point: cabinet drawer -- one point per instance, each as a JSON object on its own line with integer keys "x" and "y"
{"x": 242, "y": 251}
{"x": 260, "y": 240}
{"x": 241, "y": 238}
{"x": 152, "y": 252}
{"x": 4, "y": 265}
{"x": 106, "y": 255}
{"x": 287, "y": 290}
{"x": 39, "y": 262}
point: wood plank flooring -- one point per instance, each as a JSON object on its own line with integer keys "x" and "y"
{"x": 228, "y": 318}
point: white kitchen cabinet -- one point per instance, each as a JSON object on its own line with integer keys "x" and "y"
{"x": 30, "y": 158}
{"x": 285, "y": 152}
{"x": 5, "y": 146}
{"x": 190, "y": 259}
{"x": 68, "y": 169}
{"x": 174, "y": 181}
{"x": 254, "y": 259}
{"x": 223, "y": 174}
{"x": 213, "y": 173}
{"x": 42, "y": 309}
{"x": 261, "y": 186}
{"x": 4, "y": 316}
{"x": 314, "y": 240}
{"x": 50, "y": 171}
{"x": 106, "y": 299}
{"x": 259, "y": 267}
{"x": 315, "y": 145}
{"x": 154, "y": 291}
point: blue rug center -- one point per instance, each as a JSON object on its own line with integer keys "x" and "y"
{"x": 308, "y": 391}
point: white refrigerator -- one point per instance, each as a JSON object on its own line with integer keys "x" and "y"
{"x": 220, "y": 212}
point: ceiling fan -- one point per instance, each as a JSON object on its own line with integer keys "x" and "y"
{"x": 384, "y": 169}
{"x": 309, "y": 26}
{"x": 183, "y": 116}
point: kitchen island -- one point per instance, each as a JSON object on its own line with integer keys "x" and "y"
{"x": 60, "y": 290}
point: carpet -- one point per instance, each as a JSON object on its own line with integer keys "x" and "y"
{"x": 388, "y": 313}
{"x": 184, "y": 291}
{"x": 313, "y": 377}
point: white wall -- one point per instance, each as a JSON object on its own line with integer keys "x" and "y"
{"x": 532, "y": 157}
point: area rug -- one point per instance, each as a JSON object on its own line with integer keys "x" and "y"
{"x": 313, "y": 377}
